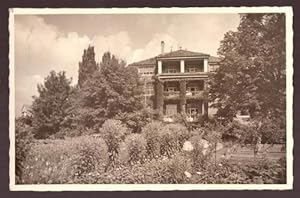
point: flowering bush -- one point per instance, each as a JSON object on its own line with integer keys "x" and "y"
{"x": 65, "y": 161}
{"x": 202, "y": 152}
{"x": 133, "y": 149}
{"x": 151, "y": 134}
{"x": 180, "y": 134}
{"x": 113, "y": 133}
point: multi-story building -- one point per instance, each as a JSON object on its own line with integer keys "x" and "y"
{"x": 176, "y": 82}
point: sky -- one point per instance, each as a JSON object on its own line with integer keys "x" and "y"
{"x": 56, "y": 42}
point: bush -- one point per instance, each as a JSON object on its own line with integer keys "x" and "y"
{"x": 200, "y": 156}
{"x": 136, "y": 120}
{"x": 65, "y": 161}
{"x": 180, "y": 134}
{"x": 172, "y": 137}
{"x": 113, "y": 133}
{"x": 24, "y": 138}
{"x": 178, "y": 167}
{"x": 133, "y": 149}
{"x": 151, "y": 132}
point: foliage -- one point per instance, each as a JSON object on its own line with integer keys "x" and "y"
{"x": 200, "y": 155}
{"x": 49, "y": 109}
{"x": 87, "y": 66}
{"x": 151, "y": 133}
{"x": 251, "y": 77}
{"x": 180, "y": 134}
{"x": 133, "y": 149}
{"x": 182, "y": 102}
{"x": 113, "y": 132}
{"x": 136, "y": 120}
{"x": 23, "y": 137}
{"x": 64, "y": 161}
{"x": 113, "y": 90}
{"x": 159, "y": 100}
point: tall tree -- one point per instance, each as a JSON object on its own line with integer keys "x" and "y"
{"x": 251, "y": 77}
{"x": 49, "y": 109}
{"x": 87, "y": 66}
{"x": 112, "y": 90}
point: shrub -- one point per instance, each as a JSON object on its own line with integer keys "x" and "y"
{"x": 200, "y": 156}
{"x": 24, "y": 138}
{"x": 136, "y": 120}
{"x": 180, "y": 134}
{"x": 151, "y": 132}
{"x": 113, "y": 133}
{"x": 65, "y": 161}
{"x": 133, "y": 149}
{"x": 178, "y": 167}
{"x": 172, "y": 137}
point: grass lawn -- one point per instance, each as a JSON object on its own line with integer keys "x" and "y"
{"x": 245, "y": 154}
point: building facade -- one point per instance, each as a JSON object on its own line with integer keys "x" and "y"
{"x": 176, "y": 82}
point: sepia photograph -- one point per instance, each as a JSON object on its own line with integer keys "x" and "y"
{"x": 154, "y": 98}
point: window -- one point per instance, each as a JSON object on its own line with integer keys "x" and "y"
{"x": 171, "y": 89}
{"x": 171, "y": 69}
{"x": 146, "y": 70}
{"x": 192, "y": 112}
{"x": 171, "y": 109}
{"x": 192, "y": 89}
{"x": 213, "y": 68}
{"x": 192, "y": 70}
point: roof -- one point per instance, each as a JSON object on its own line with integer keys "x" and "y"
{"x": 149, "y": 61}
{"x": 213, "y": 59}
{"x": 178, "y": 53}
{"x": 181, "y": 53}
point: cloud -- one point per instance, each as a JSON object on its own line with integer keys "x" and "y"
{"x": 153, "y": 47}
{"x": 41, "y": 47}
{"x": 118, "y": 44}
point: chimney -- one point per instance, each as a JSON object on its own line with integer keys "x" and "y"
{"x": 162, "y": 43}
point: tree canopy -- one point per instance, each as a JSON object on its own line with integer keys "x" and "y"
{"x": 251, "y": 76}
{"x": 49, "y": 109}
{"x": 112, "y": 90}
{"x": 87, "y": 66}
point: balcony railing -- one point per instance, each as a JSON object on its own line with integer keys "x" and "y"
{"x": 188, "y": 95}
{"x": 194, "y": 94}
{"x": 171, "y": 94}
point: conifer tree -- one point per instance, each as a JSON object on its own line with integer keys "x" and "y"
{"x": 87, "y": 66}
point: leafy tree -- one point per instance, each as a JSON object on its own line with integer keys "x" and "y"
{"x": 87, "y": 66}
{"x": 49, "y": 109}
{"x": 251, "y": 77}
{"x": 114, "y": 89}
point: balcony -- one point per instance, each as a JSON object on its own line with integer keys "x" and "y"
{"x": 171, "y": 94}
{"x": 194, "y": 94}
{"x": 178, "y": 75}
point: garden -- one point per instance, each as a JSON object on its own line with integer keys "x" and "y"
{"x": 160, "y": 154}
{"x": 99, "y": 131}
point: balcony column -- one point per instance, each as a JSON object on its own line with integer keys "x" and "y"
{"x": 159, "y": 67}
{"x": 205, "y": 64}
{"x": 182, "y": 100}
{"x": 159, "y": 89}
{"x": 181, "y": 66}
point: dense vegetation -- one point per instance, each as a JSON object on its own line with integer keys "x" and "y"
{"x": 98, "y": 131}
